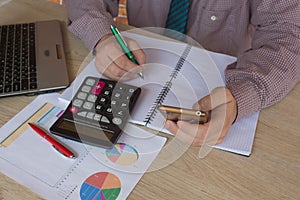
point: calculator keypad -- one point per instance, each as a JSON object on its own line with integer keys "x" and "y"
{"x": 103, "y": 103}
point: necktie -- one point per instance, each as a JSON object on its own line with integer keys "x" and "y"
{"x": 178, "y": 15}
{"x": 122, "y": 12}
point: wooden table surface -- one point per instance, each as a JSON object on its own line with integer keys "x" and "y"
{"x": 271, "y": 172}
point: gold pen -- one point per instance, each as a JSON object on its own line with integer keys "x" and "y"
{"x": 176, "y": 113}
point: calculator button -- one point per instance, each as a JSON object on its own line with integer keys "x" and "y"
{"x": 124, "y": 105}
{"x": 102, "y": 100}
{"x": 98, "y": 107}
{"x": 82, "y": 95}
{"x": 86, "y": 89}
{"x": 120, "y": 113}
{"x": 82, "y": 113}
{"x": 105, "y": 119}
{"x": 128, "y": 97}
{"x": 97, "y": 117}
{"x": 90, "y": 81}
{"x": 117, "y": 95}
{"x": 92, "y": 98}
{"x": 131, "y": 90}
{"x": 110, "y": 86}
{"x": 109, "y": 110}
{"x": 106, "y": 93}
{"x": 117, "y": 120}
{"x": 98, "y": 87}
{"x": 77, "y": 103}
{"x": 88, "y": 105}
{"x": 90, "y": 115}
{"x": 113, "y": 103}
{"x": 120, "y": 88}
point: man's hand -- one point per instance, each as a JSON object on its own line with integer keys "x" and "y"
{"x": 113, "y": 63}
{"x": 223, "y": 109}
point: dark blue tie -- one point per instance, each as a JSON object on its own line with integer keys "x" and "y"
{"x": 178, "y": 15}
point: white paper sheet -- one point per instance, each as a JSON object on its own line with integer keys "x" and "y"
{"x": 33, "y": 162}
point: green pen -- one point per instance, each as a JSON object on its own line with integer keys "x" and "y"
{"x": 124, "y": 47}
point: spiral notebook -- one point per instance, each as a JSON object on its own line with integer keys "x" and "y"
{"x": 178, "y": 74}
{"x": 177, "y": 77}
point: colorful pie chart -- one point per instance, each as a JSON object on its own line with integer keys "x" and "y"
{"x": 100, "y": 186}
{"x": 122, "y": 154}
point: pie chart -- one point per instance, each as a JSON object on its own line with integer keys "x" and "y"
{"x": 100, "y": 186}
{"x": 122, "y": 154}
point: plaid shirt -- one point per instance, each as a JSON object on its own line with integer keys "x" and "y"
{"x": 264, "y": 35}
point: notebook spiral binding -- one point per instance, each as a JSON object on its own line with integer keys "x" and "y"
{"x": 166, "y": 88}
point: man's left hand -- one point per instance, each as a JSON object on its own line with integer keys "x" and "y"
{"x": 223, "y": 109}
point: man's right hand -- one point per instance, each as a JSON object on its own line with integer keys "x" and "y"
{"x": 113, "y": 63}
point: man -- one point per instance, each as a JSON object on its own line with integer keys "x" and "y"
{"x": 264, "y": 35}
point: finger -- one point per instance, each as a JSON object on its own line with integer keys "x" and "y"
{"x": 190, "y": 129}
{"x": 111, "y": 49}
{"x": 127, "y": 65}
{"x": 200, "y": 133}
{"x": 105, "y": 66}
{"x": 140, "y": 56}
{"x": 115, "y": 73}
{"x": 230, "y": 113}
{"x": 137, "y": 51}
{"x": 113, "y": 76}
{"x": 112, "y": 70}
{"x": 189, "y": 136}
{"x": 195, "y": 131}
{"x": 171, "y": 126}
{"x": 217, "y": 129}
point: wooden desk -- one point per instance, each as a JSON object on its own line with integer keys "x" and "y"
{"x": 271, "y": 172}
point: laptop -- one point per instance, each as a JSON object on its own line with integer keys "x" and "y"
{"x": 32, "y": 59}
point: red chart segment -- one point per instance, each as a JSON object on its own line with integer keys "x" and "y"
{"x": 100, "y": 186}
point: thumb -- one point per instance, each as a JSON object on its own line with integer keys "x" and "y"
{"x": 217, "y": 97}
{"x": 171, "y": 126}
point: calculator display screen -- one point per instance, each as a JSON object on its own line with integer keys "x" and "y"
{"x": 84, "y": 133}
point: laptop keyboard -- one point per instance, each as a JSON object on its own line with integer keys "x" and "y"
{"x": 17, "y": 58}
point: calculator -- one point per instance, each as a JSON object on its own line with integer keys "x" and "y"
{"x": 98, "y": 112}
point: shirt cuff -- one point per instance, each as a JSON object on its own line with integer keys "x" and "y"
{"x": 91, "y": 31}
{"x": 246, "y": 97}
